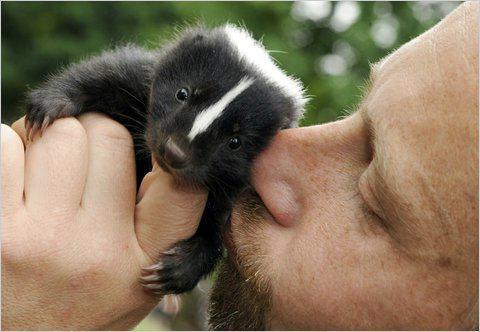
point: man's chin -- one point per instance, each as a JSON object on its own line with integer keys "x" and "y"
{"x": 241, "y": 295}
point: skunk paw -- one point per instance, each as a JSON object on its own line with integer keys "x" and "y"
{"x": 180, "y": 268}
{"x": 43, "y": 109}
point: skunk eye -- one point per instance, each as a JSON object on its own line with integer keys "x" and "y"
{"x": 234, "y": 143}
{"x": 182, "y": 94}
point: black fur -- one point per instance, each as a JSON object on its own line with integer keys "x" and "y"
{"x": 137, "y": 88}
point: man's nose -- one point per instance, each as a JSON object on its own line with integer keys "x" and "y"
{"x": 174, "y": 155}
{"x": 300, "y": 154}
{"x": 275, "y": 182}
{"x": 302, "y": 161}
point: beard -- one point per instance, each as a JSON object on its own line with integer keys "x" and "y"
{"x": 241, "y": 295}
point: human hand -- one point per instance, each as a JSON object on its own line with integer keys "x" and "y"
{"x": 73, "y": 236}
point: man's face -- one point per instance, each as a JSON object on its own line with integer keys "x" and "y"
{"x": 370, "y": 222}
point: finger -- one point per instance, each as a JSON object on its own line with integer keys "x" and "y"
{"x": 147, "y": 180}
{"x": 110, "y": 186}
{"x": 13, "y": 158}
{"x": 19, "y": 127}
{"x": 55, "y": 168}
{"x": 166, "y": 213}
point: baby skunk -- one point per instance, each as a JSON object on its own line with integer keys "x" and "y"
{"x": 205, "y": 105}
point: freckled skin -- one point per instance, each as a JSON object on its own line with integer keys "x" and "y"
{"x": 139, "y": 89}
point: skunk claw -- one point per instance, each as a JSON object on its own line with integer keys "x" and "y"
{"x": 34, "y": 130}
{"x": 152, "y": 268}
{"x": 149, "y": 278}
{"x": 46, "y": 122}
{"x": 28, "y": 128}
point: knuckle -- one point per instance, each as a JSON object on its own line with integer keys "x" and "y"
{"x": 114, "y": 130}
{"x": 10, "y": 139}
{"x": 105, "y": 127}
{"x": 69, "y": 127}
{"x": 19, "y": 124}
{"x": 17, "y": 248}
{"x": 193, "y": 204}
{"x": 10, "y": 244}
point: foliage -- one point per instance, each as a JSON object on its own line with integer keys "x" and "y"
{"x": 39, "y": 38}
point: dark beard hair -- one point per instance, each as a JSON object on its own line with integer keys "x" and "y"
{"x": 236, "y": 304}
{"x": 242, "y": 302}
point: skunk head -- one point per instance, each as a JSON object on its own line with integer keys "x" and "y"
{"x": 217, "y": 98}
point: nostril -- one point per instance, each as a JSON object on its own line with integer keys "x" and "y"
{"x": 174, "y": 155}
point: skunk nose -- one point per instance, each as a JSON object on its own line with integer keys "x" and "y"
{"x": 174, "y": 156}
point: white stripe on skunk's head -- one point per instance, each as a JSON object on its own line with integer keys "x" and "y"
{"x": 254, "y": 55}
{"x": 205, "y": 118}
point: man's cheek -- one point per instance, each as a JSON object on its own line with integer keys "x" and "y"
{"x": 318, "y": 276}
{"x": 337, "y": 279}
{"x": 298, "y": 300}
{"x": 302, "y": 279}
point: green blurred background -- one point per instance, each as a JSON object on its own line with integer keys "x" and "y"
{"x": 328, "y": 45}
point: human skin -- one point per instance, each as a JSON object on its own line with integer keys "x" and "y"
{"x": 370, "y": 222}
{"x": 75, "y": 235}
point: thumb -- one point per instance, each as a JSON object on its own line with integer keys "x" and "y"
{"x": 166, "y": 213}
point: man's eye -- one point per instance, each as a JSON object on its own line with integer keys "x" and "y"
{"x": 182, "y": 94}
{"x": 234, "y": 143}
{"x": 368, "y": 193}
